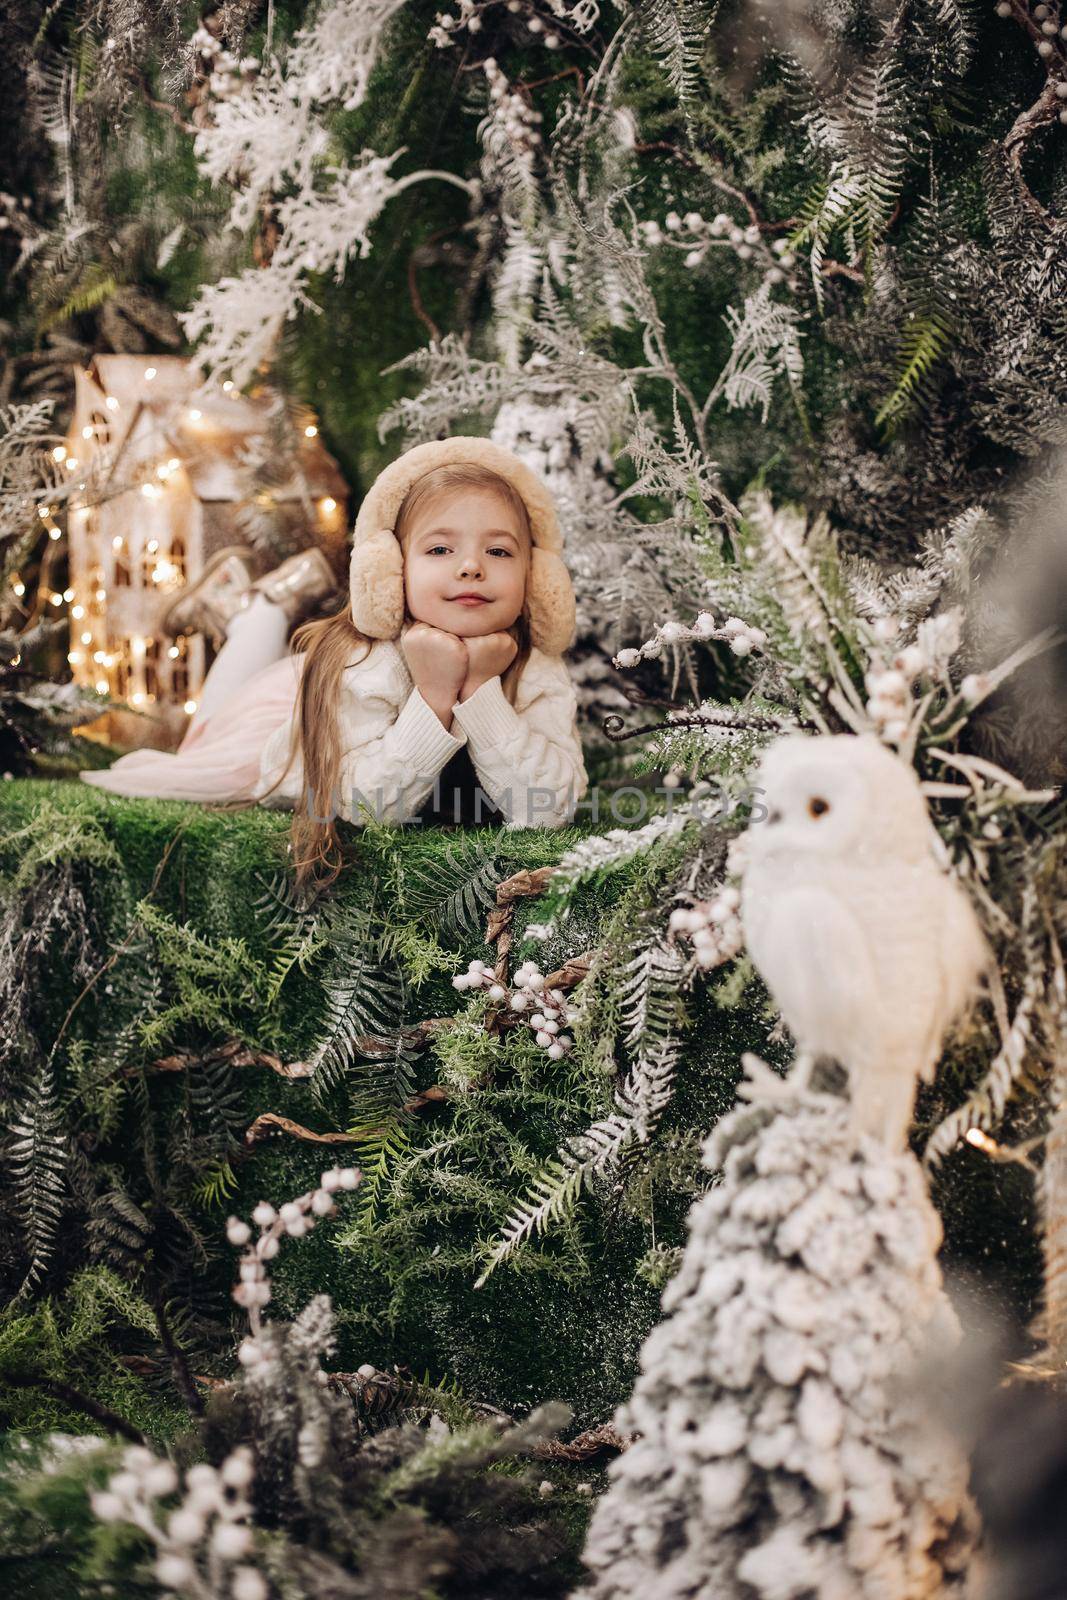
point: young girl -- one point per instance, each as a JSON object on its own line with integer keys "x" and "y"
{"x": 444, "y": 671}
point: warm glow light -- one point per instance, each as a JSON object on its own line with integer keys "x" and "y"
{"x": 101, "y": 594}
{"x": 174, "y": 652}
{"x": 190, "y": 707}
{"x": 101, "y": 685}
{"x": 174, "y": 463}
{"x": 53, "y": 533}
{"x": 164, "y": 572}
{"x": 87, "y": 432}
{"x": 328, "y": 506}
{"x": 44, "y": 512}
{"x": 77, "y": 611}
{"x": 59, "y": 453}
{"x": 87, "y": 638}
{"x": 111, "y": 403}
{"x": 149, "y": 373}
{"x": 98, "y": 655}
{"x": 310, "y": 431}
{"x": 116, "y": 543}
{"x": 74, "y": 655}
{"x": 56, "y": 599}
{"x": 227, "y": 387}
{"x": 19, "y": 588}
{"x": 151, "y": 490}
{"x": 71, "y": 464}
{"x": 68, "y": 595}
{"x": 194, "y": 414}
{"x": 137, "y": 697}
{"x": 153, "y": 546}
{"x": 137, "y": 646}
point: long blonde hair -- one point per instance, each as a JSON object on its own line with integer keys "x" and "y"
{"x": 327, "y": 645}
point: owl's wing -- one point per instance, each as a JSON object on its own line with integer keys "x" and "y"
{"x": 814, "y": 953}
{"x": 964, "y": 955}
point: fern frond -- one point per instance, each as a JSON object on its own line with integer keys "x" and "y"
{"x": 924, "y": 343}
{"x": 556, "y": 1189}
{"x": 37, "y": 1158}
{"x": 676, "y": 32}
{"x": 454, "y": 894}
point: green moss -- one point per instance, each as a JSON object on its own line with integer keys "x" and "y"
{"x": 564, "y": 1318}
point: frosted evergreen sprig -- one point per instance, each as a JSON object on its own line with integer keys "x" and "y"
{"x": 200, "y": 1542}
{"x": 549, "y": 1010}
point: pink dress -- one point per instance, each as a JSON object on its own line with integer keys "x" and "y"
{"x": 219, "y": 759}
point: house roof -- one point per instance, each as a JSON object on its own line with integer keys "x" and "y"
{"x": 213, "y": 433}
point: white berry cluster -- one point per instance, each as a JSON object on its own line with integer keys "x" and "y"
{"x": 1050, "y": 27}
{"x": 713, "y": 925}
{"x": 295, "y": 1218}
{"x": 199, "y": 1541}
{"x": 226, "y": 76}
{"x": 549, "y": 1011}
{"x": 468, "y": 15}
{"x": 893, "y": 674}
{"x": 510, "y": 111}
{"x": 741, "y": 636}
{"x": 697, "y": 236}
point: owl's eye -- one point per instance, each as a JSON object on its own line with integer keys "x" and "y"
{"x": 817, "y": 806}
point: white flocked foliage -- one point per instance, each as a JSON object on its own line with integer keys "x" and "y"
{"x": 786, "y": 1447}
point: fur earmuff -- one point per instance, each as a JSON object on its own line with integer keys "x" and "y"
{"x": 376, "y": 573}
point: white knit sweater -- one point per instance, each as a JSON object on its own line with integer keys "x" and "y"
{"x": 527, "y": 757}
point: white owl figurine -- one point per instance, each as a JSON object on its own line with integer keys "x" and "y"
{"x": 869, "y": 949}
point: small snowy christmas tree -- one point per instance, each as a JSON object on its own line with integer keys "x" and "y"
{"x": 785, "y": 1447}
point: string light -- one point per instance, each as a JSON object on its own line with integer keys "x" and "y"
{"x": 77, "y": 612}
{"x": 54, "y": 532}
{"x": 111, "y": 403}
{"x": 56, "y": 599}
{"x": 71, "y": 463}
{"x": 174, "y": 652}
{"x": 59, "y": 453}
{"x": 101, "y": 594}
{"x": 74, "y": 656}
{"x": 18, "y": 586}
{"x": 310, "y": 432}
{"x": 328, "y": 506}
{"x": 44, "y": 512}
{"x": 138, "y": 646}
{"x": 87, "y": 638}
{"x": 194, "y": 414}
{"x": 190, "y": 707}
{"x": 151, "y": 491}
{"x": 98, "y": 655}
{"x": 149, "y": 373}
{"x": 152, "y": 546}
{"x": 136, "y": 697}
{"x": 101, "y": 685}
{"x": 68, "y": 595}
{"x": 87, "y": 431}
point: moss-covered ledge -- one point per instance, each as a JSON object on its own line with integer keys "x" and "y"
{"x": 183, "y": 943}
{"x": 154, "y": 941}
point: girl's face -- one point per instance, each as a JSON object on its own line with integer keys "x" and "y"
{"x": 465, "y": 542}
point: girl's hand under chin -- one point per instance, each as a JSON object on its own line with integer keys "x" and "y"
{"x": 488, "y": 656}
{"x": 438, "y": 664}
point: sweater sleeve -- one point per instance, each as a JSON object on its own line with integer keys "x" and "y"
{"x": 528, "y": 757}
{"x": 389, "y": 761}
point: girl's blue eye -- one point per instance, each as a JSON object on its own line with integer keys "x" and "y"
{"x": 496, "y": 550}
